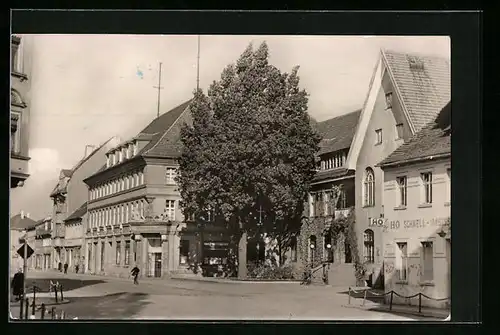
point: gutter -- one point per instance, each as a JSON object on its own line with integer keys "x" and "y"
{"x": 413, "y": 160}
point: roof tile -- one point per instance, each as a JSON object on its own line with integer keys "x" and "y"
{"x": 338, "y": 132}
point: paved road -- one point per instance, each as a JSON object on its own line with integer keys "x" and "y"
{"x": 94, "y": 297}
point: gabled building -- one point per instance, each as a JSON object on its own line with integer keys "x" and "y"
{"x": 43, "y": 245}
{"x": 134, "y": 204}
{"x": 417, "y": 230}
{"x": 20, "y": 72}
{"x": 324, "y": 206}
{"x": 68, "y": 196}
{"x": 406, "y": 92}
{"x": 20, "y": 227}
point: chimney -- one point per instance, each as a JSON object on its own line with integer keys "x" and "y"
{"x": 89, "y": 148}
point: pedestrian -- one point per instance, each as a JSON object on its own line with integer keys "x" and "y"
{"x": 17, "y": 284}
{"x": 77, "y": 267}
{"x": 65, "y": 268}
{"x": 59, "y": 267}
{"x": 135, "y": 273}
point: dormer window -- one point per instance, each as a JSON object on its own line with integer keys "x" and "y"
{"x": 415, "y": 63}
{"x": 135, "y": 148}
{"x": 388, "y": 100}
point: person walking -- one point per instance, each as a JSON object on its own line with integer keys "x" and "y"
{"x": 65, "y": 268}
{"x": 17, "y": 284}
{"x": 135, "y": 273}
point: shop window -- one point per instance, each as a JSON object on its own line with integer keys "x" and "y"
{"x": 184, "y": 252}
{"x": 427, "y": 260}
{"x": 402, "y": 261}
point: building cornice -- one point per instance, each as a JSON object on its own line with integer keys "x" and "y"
{"x": 413, "y": 161}
{"x": 114, "y": 171}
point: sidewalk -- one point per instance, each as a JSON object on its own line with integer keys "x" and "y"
{"x": 232, "y": 281}
{"x": 427, "y": 312}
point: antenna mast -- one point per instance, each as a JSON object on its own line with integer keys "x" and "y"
{"x": 198, "y": 66}
{"x": 159, "y": 87}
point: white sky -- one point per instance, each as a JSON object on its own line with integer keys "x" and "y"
{"x": 86, "y": 88}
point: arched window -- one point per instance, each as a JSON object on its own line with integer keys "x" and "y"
{"x": 368, "y": 240}
{"x": 369, "y": 188}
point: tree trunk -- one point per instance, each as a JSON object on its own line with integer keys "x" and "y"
{"x": 242, "y": 256}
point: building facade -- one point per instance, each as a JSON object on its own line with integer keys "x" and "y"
{"x": 21, "y": 52}
{"x": 405, "y": 93}
{"x": 417, "y": 226}
{"x": 68, "y": 197}
{"x": 21, "y": 226}
{"x": 41, "y": 259}
{"x": 325, "y": 205}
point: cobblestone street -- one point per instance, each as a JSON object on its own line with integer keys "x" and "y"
{"x": 94, "y": 297}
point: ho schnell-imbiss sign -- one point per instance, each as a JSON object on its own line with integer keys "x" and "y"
{"x": 376, "y": 222}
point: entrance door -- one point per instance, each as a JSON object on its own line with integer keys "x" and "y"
{"x": 157, "y": 260}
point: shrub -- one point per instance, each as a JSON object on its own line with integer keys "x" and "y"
{"x": 264, "y": 271}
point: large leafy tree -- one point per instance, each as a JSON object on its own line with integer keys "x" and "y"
{"x": 249, "y": 154}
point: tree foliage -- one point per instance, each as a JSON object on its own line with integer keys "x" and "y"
{"x": 249, "y": 154}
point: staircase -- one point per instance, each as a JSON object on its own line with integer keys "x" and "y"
{"x": 342, "y": 274}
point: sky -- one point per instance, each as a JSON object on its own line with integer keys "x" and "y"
{"x": 88, "y": 88}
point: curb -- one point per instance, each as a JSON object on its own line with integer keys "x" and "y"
{"x": 396, "y": 311}
{"x": 235, "y": 281}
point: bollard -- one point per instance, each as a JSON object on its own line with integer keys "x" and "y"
{"x": 62, "y": 297}
{"x": 349, "y": 299}
{"x": 33, "y": 307}
{"x": 420, "y": 302}
{"x": 27, "y": 308}
{"x": 390, "y": 304}
{"x": 42, "y": 312}
{"x": 21, "y": 308}
{"x": 53, "y": 312}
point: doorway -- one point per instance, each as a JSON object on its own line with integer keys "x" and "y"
{"x": 157, "y": 266}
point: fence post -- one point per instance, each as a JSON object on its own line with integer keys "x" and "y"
{"x": 420, "y": 302}
{"x": 349, "y": 299}
{"x": 21, "y": 308}
{"x": 34, "y": 301}
{"x": 390, "y": 304}
{"x": 42, "y": 313}
{"x": 55, "y": 291}
{"x": 27, "y": 308}
{"x": 53, "y": 312}
{"x": 62, "y": 297}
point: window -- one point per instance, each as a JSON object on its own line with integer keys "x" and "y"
{"x": 318, "y": 204}
{"x": 448, "y": 173}
{"x": 170, "y": 176}
{"x": 102, "y": 255}
{"x": 135, "y": 149}
{"x": 369, "y": 188}
{"x": 108, "y": 161}
{"x": 14, "y": 47}
{"x": 388, "y": 100}
{"x": 342, "y": 199}
{"x": 170, "y": 209}
{"x": 141, "y": 178}
{"x": 184, "y": 252}
{"x": 120, "y": 156}
{"x": 127, "y": 252}
{"x": 402, "y": 190}
{"x": 378, "y": 132}
{"x": 427, "y": 271}
{"x": 293, "y": 249}
{"x": 118, "y": 252}
{"x": 368, "y": 239}
{"x": 113, "y": 159}
{"x": 399, "y": 131}
{"x": 14, "y": 132}
{"x": 402, "y": 261}
{"x": 427, "y": 187}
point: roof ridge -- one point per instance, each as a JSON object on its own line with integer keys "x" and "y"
{"x": 171, "y": 126}
{"x": 340, "y": 116}
{"x": 416, "y": 54}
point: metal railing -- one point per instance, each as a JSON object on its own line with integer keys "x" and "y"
{"x": 392, "y": 294}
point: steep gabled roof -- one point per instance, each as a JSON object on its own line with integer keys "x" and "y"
{"x": 62, "y": 184}
{"x": 19, "y": 223}
{"x": 166, "y": 130}
{"x": 423, "y": 84}
{"x": 337, "y": 133}
{"x": 77, "y": 214}
{"x": 433, "y": 141}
